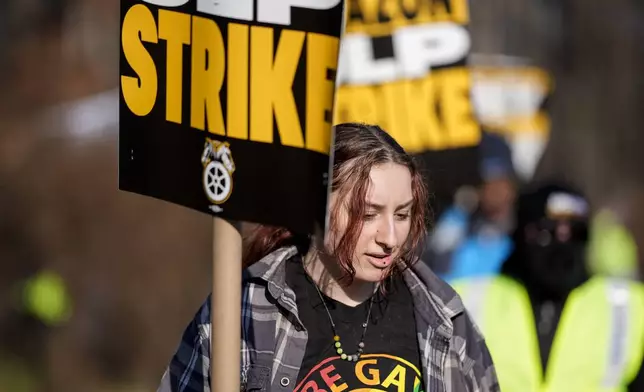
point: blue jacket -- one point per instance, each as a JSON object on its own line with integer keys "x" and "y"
{"x": 465, "y": 245}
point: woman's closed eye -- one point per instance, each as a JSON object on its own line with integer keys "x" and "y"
{"x": 402, "y": 216}
{"x": 370, "y": 216}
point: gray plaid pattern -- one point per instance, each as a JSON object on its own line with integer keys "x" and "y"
{"x": 453, "y": 352}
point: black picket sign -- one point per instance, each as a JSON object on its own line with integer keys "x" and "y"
{"x": 226, "y": 107}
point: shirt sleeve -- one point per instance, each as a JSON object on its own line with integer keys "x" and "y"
{"x": 189, "y": 368}
{"x": 476, "y": 365}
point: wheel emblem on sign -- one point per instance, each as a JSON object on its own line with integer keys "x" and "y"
{"x": 217, "y": 182}
{"x": 217, "y": 173}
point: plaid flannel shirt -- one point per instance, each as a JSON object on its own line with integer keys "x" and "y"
{"x": 454, "y": 355}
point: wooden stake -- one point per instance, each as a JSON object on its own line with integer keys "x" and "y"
{"x": 226, "y": 307}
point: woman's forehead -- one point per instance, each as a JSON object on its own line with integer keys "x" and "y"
{"x": 389, "y": 183}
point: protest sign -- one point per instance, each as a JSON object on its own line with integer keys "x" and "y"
{"x": 226, "y": 106}
{"x": 511, "y": 100}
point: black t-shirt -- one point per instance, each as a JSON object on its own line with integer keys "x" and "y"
{"x": 391, "y": 359}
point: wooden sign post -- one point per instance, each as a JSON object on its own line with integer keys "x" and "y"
{"x": 226, "y": 305}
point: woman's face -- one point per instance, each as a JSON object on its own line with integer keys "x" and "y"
{"x": 386, "y": 223}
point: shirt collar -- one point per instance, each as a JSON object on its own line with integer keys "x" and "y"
{"x": 437, "y": 306}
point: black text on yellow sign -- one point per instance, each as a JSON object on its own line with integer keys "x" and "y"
{"x": 380, "y": 17}
{"x": 432, "y": 113}
{"x": 259, "y": 81}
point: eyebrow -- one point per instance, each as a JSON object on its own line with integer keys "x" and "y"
{"x": 379, "y": 207}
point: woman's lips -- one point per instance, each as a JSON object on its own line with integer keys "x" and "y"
{"x": 380, "y": 260}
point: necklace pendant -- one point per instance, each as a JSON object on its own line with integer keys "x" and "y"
{"x": 337, "y": 345}
{"x": 347, "y": 357}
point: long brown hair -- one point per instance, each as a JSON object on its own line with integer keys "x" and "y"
{"x": 358, "y": 148}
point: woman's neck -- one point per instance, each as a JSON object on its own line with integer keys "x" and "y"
{"x": 325, "y": 273}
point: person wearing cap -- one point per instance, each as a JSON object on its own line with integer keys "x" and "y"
{"x": 472, "y": 237}
{"x": 549, "y": 325}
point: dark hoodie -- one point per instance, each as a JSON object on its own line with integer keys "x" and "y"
{"x": 548, "y": 268}
{"x": 549, "y": 273}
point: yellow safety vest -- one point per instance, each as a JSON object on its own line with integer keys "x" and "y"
{"x": 598, "y": 344}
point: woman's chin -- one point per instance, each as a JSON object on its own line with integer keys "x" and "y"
{"x": 370, "y": 275}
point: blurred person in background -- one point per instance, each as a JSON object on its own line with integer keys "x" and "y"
{"x": 472, "y": 237}
{"x": 548, "y": 323}
{"x": 38, "y": 305}
{"x": 612, "y": 249}
{"x": 34, "y": 301}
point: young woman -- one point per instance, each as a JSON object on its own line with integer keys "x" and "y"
{"x": 352, "y": 311}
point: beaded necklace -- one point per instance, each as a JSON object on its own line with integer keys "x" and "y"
{"x": 336, "y": 338}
